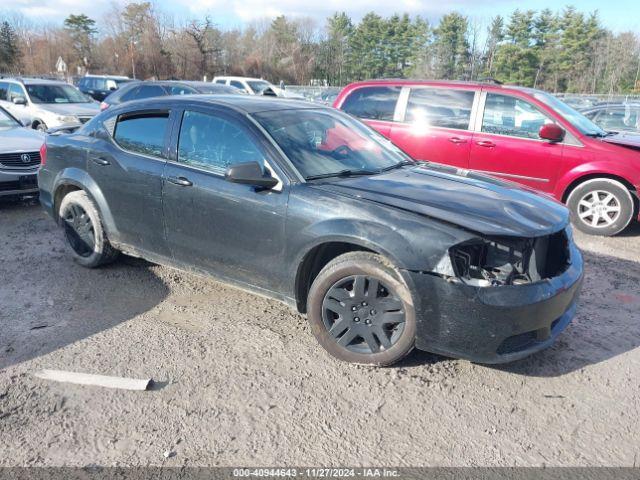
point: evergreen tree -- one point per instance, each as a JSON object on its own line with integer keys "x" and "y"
{"x": 451, "y": 46}
{"x": 82, "y": 30}
{"x": 9, "y": 49}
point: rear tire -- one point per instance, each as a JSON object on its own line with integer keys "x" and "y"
{"x": 86, "y": 238}
{"x": 601, "y": 206}
{"x": 361, "y": 310}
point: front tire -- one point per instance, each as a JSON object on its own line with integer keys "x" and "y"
{"x": 84, "y": 232}
{"x": 361, "y": 310}
{"x": 601, "y": 206}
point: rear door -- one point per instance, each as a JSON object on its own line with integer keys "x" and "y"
{"x": 228, "y": 229}
{"x": 435, "y": 124}
{"x": 374, "y": 105}
{"x": 506, "y": 143}
{"x": 127, "y": 165}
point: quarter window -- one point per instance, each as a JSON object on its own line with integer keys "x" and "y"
{"x": 440, "y": 107}
{"x": 214, "y": 143}
{"x": 142, "y": 133}
{"x": 374, "y": 103}
{"x": 506, "y": 115}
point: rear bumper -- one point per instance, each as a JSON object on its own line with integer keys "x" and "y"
{"x": 18, "y": 182}
{"x": 494, "y": 324}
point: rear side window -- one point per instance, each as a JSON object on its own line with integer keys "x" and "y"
{"x": 142, "y": 133}
{"x": 235, "y": 83}
{"x": 4, "y": 89}
{"x": 438, "y": 107}
{"x": 374, "y": 103}
{"x": 181, "y": 90}
{"x": 214, "y": 143}
{"x": 149, "y": 91}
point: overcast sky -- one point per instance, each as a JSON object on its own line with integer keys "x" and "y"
{"x": 618, "y": 15}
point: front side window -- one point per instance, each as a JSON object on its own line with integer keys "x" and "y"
{"x": 446, "y": 108}
{"x": 507, "y": 115}
{"x": 214, "y": 143}
{"x": 142, "y": 133}
{"x": 625, "y": 118}
{"x": 373, "y": 103}
{"x": 258, "y": 86}
{"x": 322, "y": 143}
{"x": 56, "y": 94}
{"x": 15, "y": 91}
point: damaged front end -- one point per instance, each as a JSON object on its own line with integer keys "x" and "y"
{"x": 494, "y": 262}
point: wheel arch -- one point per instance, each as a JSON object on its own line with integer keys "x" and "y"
{"x": 319, "y": 255}
{"x": 72, "y": 179}
{"x": 635, "y": 198}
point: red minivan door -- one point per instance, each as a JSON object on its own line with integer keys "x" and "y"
{"x": 435, "y": 124}
{"x": 375, "y": 105}
{"x": 506, "y": 143}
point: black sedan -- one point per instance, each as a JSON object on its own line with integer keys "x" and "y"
{"x": 307, "y": 205}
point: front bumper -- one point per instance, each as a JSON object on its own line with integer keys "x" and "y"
{"x": 494, "y": 324}
{"x": 18, "y": 182}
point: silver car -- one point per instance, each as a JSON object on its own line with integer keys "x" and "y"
{"x": 44, "y": 104}
{"x": 19, "y": 156}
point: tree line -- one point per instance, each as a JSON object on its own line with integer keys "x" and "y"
{"x": 565, "y": 51}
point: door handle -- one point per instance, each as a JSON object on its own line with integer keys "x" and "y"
{"x": 182, "y": 181}
{"x": 457, "y": 140}
{"x": 485, "y": 143}
{"x": 100, "y": 161}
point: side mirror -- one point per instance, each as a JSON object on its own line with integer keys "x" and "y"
{"x": 551, "y": 132}
{"x": 19, "y": 100}
{"x": 250, "y": 173}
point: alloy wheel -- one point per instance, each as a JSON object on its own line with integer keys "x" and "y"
{"x": 363, "y": 315}
{"x": 599, "y": 209}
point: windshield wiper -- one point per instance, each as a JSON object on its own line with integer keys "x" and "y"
{"x": 342, "y": 173}
{"x": 401, "y": 164}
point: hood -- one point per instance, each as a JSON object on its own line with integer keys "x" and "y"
{"x": 20, "y": 139}
{"x": 475, "y": 202}
{"x": 631, "y": 140}
{"x": 88, "y": 109}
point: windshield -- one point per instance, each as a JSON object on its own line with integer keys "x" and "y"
{"x": 56, "y": 94}
{"x": 7, "y": 121}
{"x": 578, "y": 120}
{"x": 258, "y": 86}
{"x": 323, "y": 143}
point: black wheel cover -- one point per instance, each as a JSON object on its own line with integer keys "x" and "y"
{"x": 79, "y": 230}
{"x": 363, "y": 315}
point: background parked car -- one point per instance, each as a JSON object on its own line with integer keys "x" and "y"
{"x": 44, "y": 104}
{"x": 100, "y": 86}
{"x": 141, "y": 90}
{"x": 615, "y": 117}
{"x": 257, "y": 86}
{"x": 19, "y": 156}
{"x": 519, "y": 134}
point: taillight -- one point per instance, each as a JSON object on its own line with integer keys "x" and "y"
{"x": 103, "y": 106}
{"x": 43, "y": 154}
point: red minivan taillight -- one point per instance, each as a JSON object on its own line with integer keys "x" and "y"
{"x": 103, "y": 106}
{"x": 43, "y": 154}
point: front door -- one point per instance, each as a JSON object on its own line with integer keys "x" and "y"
{"x": 127, "y": 169}
{"x": 508, "y": 145}
{"x": 436, "y": 125}
{"x": 230, "y": 230}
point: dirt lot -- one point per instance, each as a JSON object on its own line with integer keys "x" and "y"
{"x": 241, "y": 380}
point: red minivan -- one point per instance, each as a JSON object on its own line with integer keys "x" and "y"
{"x": 519, "y": 134}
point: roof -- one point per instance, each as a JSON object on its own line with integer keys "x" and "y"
{"x": 115, "y": 77}
{"x": 230, "y": 77}
{"x": 241, "y": 103}
{"x": 35, "y": 81}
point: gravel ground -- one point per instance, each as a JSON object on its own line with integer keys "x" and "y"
{"x": 241, "y": 380}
